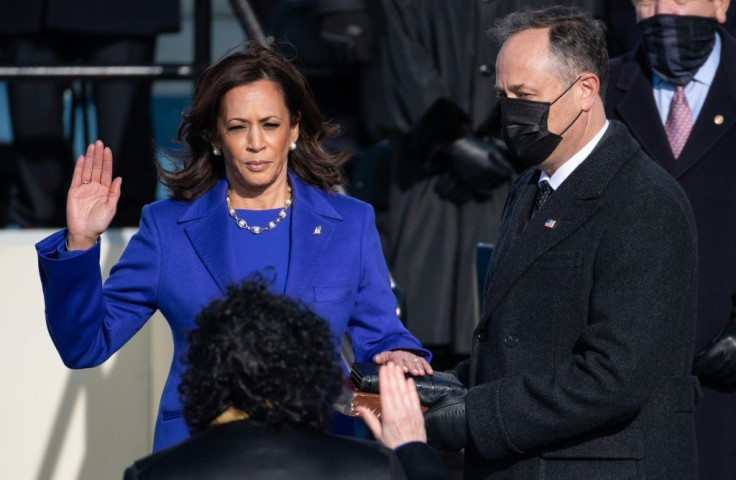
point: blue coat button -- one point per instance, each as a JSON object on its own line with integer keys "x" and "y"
{"x": 511, "y": 340}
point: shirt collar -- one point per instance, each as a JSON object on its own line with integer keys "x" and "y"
{"x": 574, "y": 162}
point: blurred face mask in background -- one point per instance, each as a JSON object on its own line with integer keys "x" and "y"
{"x": 677, "y": 45}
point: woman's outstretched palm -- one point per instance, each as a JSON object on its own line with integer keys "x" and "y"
{"x": 93, "y": 197}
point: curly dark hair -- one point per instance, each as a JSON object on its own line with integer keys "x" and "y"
{"x": 198, "y": 169}
{"x": 264, "y": 354}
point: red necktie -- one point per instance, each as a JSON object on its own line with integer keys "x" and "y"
{"x": 679, "y": 121}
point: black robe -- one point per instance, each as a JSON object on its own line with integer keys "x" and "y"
{"x": 440, "y": 50}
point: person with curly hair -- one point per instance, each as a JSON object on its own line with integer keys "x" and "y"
{"x": 254, "y": 191}
{"x": 258, "y": 353}
{"x": 261, "y": 378}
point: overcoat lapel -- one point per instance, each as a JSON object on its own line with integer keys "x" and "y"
{"x": 313, "y": 225}
{"x": 569, "y": 215}
{"x": 516, "y": 220}
{"x": 207, "y": 231}
{"x": 570, "y": 207}
{"x": 720, "y": 103}
{"x": 638, "y": 110}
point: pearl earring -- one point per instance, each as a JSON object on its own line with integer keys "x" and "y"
{"x": 292, "y": 147}
{"x": 216, "y": 152}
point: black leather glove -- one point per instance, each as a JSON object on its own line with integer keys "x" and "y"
{"x": 442, "y": 123}
{"x": 348, "y": 36}
{"x": 447, "y": 428}
{"x": 432, "y": 389}
{"x": 477, "y": 166}
{"x": 451, "y": 188}
{"x": 481, "y": 164}
{"x": 715, "y": 365}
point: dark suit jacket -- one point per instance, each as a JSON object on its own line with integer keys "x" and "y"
{"x": 244, "y": 450}
{"x": 706, "y": 170}
{"x": 581, "y": 363}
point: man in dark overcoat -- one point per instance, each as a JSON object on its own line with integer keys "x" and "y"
{"x": 641, "y": 92}
{"x": 581, "y": 362}
{"x": 449, "y": 165}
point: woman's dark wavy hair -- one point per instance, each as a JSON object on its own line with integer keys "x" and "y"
{"x": 198, "y": 169}
{"x": 264, "y": 354}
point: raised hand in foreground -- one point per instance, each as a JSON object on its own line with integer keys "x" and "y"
{"x": 401, "y": 416}
{"x": 93, "y": 197}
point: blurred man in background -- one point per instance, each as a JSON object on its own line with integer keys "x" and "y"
{"x": 676, "y": 94}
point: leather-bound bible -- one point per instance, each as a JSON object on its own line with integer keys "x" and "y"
{"x": 429, "y": 387}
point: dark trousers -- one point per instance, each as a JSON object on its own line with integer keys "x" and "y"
{"x": 123, "y": 109}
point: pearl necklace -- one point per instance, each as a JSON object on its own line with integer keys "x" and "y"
{"x": 255, "y": 229}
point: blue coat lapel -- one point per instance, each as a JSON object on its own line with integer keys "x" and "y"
{"x": 206, "y": 229}
{"x": 313, "y": 224}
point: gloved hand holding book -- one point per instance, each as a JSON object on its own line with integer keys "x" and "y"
{"x": 442, "y": 392}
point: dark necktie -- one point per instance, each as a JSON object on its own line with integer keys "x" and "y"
{"x": 543, "y": 193}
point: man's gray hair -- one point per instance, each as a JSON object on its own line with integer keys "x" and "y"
{"x": 576, "y": 41}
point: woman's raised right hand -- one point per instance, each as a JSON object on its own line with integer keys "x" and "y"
{"x": 93, "y": 197}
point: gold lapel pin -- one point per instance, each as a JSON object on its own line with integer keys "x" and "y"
{"x": 318, "y": 230}
{"x": 718, "y": 119}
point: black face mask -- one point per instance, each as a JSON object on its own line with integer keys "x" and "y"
{"x": 524, "y": 128}
{"x": 677, "y": 45}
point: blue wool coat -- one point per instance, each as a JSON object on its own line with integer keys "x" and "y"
{"x": 181, "y": 259}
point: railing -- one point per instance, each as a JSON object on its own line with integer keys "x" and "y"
{"x": 202, "y": 42}
{"x": 202, "y": 45}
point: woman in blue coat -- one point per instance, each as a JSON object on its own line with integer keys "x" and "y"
{"x": 253, "y": 193}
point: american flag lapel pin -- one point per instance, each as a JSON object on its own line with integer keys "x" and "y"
{"x": 317, "y": 230}
{"x": 550, "y": 223}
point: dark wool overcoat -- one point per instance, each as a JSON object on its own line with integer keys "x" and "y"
{"x": 242, "y": 449}
{"x": 581, "y": 362}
